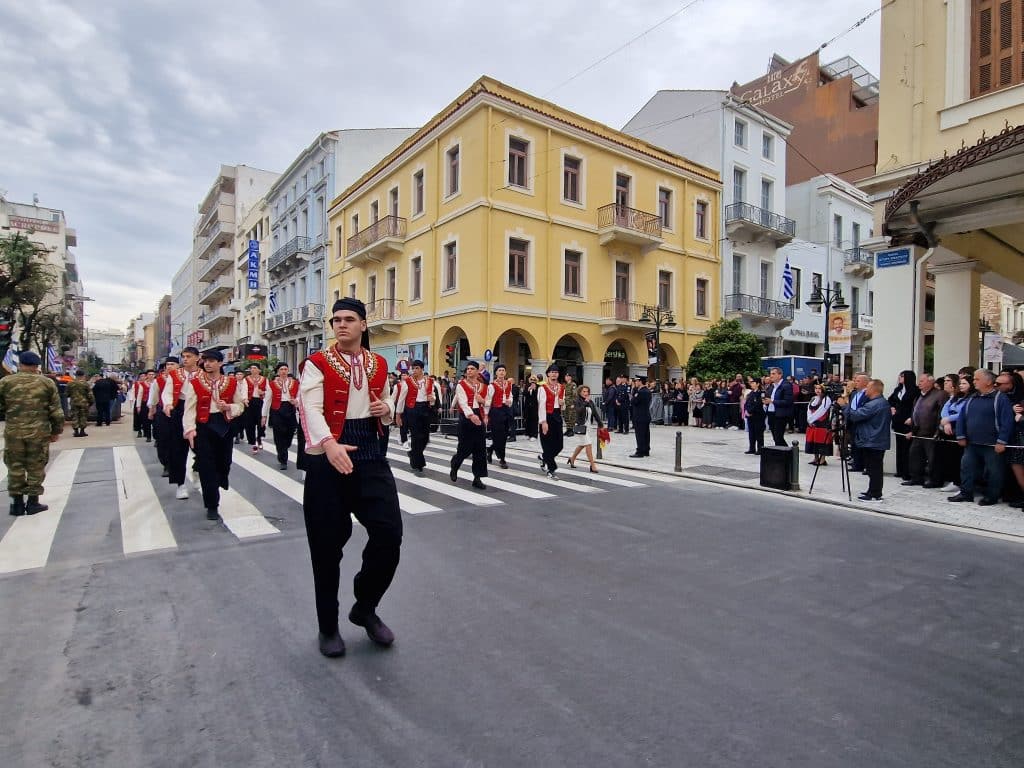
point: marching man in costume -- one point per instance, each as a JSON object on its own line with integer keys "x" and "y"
{"x": 172, "y": 398}
{"x": 212, "y": 400}
{"x": 500, "y": 415}
{"x": 257, "y": 389}
{"x": 550, "y": 400}
{"x": 473, "y": 401}
{"x": 279, "y": 412}
{"x": 416, "y": 397}
{"x": 344, "y": 403}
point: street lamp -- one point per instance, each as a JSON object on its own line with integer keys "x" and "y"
{"x": 661, "y": 317}
{"x": 830, "y": 298}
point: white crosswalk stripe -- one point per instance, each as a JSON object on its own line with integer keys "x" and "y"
{"x": 144, "y": 525}
{"x": 534, "y": 477}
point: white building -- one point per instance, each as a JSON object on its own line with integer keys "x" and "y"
{"x": 108, "y": 345}
{"x": 251, "y": 284}
{"x": 184, "y": 309}
{"x": 747, "y": 146}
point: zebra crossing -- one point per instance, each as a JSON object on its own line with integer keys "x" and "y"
{"x": 115, "y": 502}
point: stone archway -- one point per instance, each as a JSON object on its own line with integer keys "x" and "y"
{"x": 569, "y": 355}
{"x": 616, "y": 360}
{"x": 514, "y": 347}
{"x": 668, "y": 360}
{"x": 454, "y": 344}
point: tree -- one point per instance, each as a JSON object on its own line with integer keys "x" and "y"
{"x": 24, "y": 271}
{"x": 725, "y": 351}
{"x": 91, "y": 363}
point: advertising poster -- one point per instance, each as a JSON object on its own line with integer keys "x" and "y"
{"x": 839, "y": 332}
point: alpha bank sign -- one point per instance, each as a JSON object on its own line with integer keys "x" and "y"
{"x": 254, "y": 265}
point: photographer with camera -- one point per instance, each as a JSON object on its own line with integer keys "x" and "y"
{"x": 871, "y": 421}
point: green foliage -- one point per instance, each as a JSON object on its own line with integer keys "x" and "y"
{"x": 27, "y": 285}
{"x": 724, "y": 352}
{"x": 91, "y": 363}
{"x": 929, "y": 358}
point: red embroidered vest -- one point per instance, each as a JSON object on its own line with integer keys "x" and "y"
{"x": 256, "y": 388}
{"x": 204, "y": 395}
{"x": 549, "y": 401}
{"x": 336, "y": 375}
{"x": 276, "y": 390}
{"x": 142, "y": 392}
{"x": 177, "y": 377}
{"x": 470, "y": 394}
{"x": 502, "y": 394}
{"x": 412, "y": 391}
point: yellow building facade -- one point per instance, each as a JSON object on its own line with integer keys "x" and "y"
{"x": 509, "y": 225}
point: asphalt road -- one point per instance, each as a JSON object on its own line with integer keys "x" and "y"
{"x": 673, "y": 625}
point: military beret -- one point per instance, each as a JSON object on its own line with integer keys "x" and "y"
{"x": 28, "y": 357}
{"x": 214, "y": 354}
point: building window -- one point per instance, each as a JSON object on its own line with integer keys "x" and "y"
{"x": 767, "y": 146}
{"x": 351, "y": 290}
{"x": 664, "y": 289}
{"x": 740, "y": 133}
{"x": 855, "y": 234}
{"x": 766, "y": 194}
{"x": 796, "y": 286}
{"x": 622, "y": 287}
{"x": 737, "y": 273}
{"x": 871, "y": 303}
{"x": 997, "y": 45}
{"x": 622, "y": 187}
{"x": 371, "y": 290}
{"x": 573, "y": 267}
{"x": 739, "y": 185}
{"x": 665, "y": 207}
{"x": 518, "y": 263}
{"x": 393, "y": 201}
{"x": 339, "y": 235}
{"x": 416, "y": 279}
{"x": 374, "y": 212}
{"x": 701, "y": 224}
{"x": 417, "y": 193}
{"x": 766, "y": 279}
{"x": 854, "y": 302}
{"x": 571, "y": 178}
{"x": 452, "y": 171}
{"x": 337, "y": 295}
{"x": 518, "y": 150}
{"x": 451, "y": 265}
{"x": 355, "y": 223}
{"x": 701, "y": 303}
{"x": 816, "y": 288}
{"x": 837, "y": 230}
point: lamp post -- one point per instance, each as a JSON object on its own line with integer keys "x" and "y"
{"x": 661, "y": 317}
{"x": 830, "y": 298}
{"x": 983, "y": 327}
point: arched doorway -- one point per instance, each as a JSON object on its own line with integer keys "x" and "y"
{"x": 568, "y": 355}
{"x": 454, "y": 352}
{"x": 668, "y": 359}
{"x": 514, "y": 348}
{"x": 616, "y": 361}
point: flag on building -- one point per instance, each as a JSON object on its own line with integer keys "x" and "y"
{"x": 11, "y": 360}
{"x": 272, "y": 301}
{"x": 52, "y": 360}
{"x": 788, "y": 291}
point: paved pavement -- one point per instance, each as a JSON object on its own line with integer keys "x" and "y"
{"x": 717, "y": 455}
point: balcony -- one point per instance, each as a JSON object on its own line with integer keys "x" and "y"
{"x": 299, "y": 247}
{"x": 221, "y": 341}
{"x": 219, "y": 235}
{"x": 748, "y": 222}
{"x": 217, "y": 290}
{"x": 224, "y": 211}
{"x": 622, "y": 224}
{"x": 219, "y": 262}
{"x": 384, "y": 236}
{"x": 306, "y": 317}
{"x": 214, "y": 316}
{"x": 863, "y": 325}
{"x": 859, "y": 262}
{"x": 758, "y": 310}
{"x": 384, "y": 316}
{"x": 618, "y": 313}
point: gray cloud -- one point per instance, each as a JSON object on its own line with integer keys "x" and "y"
{"x": 120, "y": 114}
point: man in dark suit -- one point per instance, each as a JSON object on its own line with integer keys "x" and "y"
{"x": 622, "y": 405}
{"x": 924, "y": 423}
{"x": 778, "y": 402}
{"x": 641, "y": 407}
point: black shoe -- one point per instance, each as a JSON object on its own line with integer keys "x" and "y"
{"x": 165, "y": 473}
{"x": 982, "y": 502}
{"x": 911, "y": 482}
{"x": 223, "y": 482}
{"x": 1017, "y": 504}
{"x": 33, "y": 507}
{"x": 960, "y": 497}
{"x": 376, "y": 629}
{"x": 149, "y": 439}
{"x": 478, "y": 483}
{"x": 454, "y": 475}
{"x": 490, "y": 455}
{"x": 282, "y": 465}
{"x": 930, "y": 484}
{"x": 637, "y": 455}
{"x": 211, "y": 514}
{"x": 331, "y": 646}
{"x": 139, "y": 433}
{"x": 83, "y": 433}
{"x": 869, "y": 497}
{"x": 750, "y": 452}
{"x": 503, "y": 464}
{"x": 18, "y": 506}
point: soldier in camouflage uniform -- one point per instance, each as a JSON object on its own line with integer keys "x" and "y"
{"x": 34, "y": 420}
{"x": 80, "y": 397}
{"x": 569, "y": 410}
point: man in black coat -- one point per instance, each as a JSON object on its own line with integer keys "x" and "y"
{"x": 622, "y": 405}
{"x": 641, "y": 407}
{"x": 104, "y": 391}
{"x": 778, "y": 402}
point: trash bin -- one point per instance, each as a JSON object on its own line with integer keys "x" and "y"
{"x": 776, "y": 467}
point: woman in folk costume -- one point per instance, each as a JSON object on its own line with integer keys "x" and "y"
{"x": 819, "y": 431}
{"x": 343, "y": 405}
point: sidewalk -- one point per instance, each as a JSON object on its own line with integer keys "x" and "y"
{"x": 716, "y": 455}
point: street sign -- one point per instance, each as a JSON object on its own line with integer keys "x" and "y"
{"x": 898, "y": 257}
{"x": 254, "y": 265}
{"x": 488, "y": 355}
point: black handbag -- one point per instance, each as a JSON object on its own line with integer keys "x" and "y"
{"x": 579, "y": 429}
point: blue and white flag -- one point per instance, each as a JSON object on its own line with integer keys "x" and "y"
{"x": 11, "y": 360}
{"x": 272, "y": 301}
{"x": 52, "y": 360}
{"x": 788, "y": 292}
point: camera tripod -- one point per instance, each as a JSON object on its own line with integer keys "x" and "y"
{"x": 841, "y": 439}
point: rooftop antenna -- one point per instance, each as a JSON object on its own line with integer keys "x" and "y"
{"x": 35, "y": 198}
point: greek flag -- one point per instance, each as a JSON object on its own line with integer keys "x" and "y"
{"x": 11, "y": 360}
{"x": 787, "y": 282}
{"x": 272, "y": 301}
{"x": 52, "y": 361}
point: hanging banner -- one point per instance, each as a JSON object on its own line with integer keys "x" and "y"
{"x": 839, "y": 332}
{"x": 993, "y": 349}
{"x": 652, "y": 347}
{"x": 254, "y": 265}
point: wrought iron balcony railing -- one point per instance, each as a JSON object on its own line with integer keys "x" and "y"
{"x": 760, "y": 216}
{"x": 623, "y": 216}
{"x": 387, "y": 226}
{"x": 756, "y": 305}
{"x": 289, "y": 249}
{"x": 854, "y": 256}
{"x": 384, "y": 309}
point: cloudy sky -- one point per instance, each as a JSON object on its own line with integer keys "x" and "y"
{"x": 121, "y": 112}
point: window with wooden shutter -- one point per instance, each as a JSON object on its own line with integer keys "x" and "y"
{"x": 997, "y": 45}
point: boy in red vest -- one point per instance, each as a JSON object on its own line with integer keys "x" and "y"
{"x": 416, "y": 397}
{"x": 257, "y": 389}
{"x": 212, "y": 400}
{"x": 279, "y": 412}
{"x": 343, "y": 405}
{"x": 472, "y": 401}
{"x": 500, "y": 415}
{"x": 172, "y": 399}
{"x": 550, "y": 401}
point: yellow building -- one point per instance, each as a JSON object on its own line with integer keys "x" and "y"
{"x": 509, "y": 224}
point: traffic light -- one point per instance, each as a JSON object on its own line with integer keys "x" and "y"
{"x": 449, "y": 355}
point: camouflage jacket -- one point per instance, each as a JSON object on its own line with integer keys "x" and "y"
{"x": 79, "y": 393}
{"x": 569, "y": 409}
{"x": 32, "y": 405}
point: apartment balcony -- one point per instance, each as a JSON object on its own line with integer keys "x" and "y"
{"x": 224, "y": 211}
{"x": 217, "y": 290}
{"x": 384, "y": 316}
{"x": 622, "y": 224}
{"x": 219, "y": 236}
{"x": 218, "y": 263}
{"x": 618, "y": 313}
{"x": 220, "y": 341}
{"x": 307, "y": 317}
{"x": 213, "y": 317}
{"x": 747, "y": 222}
{"x": 297, "y": 247}
{"x": 863, "y": 325}
{"x": 757, "y": 310}
{"x": 384, "y": 236}
{"x": 859, "y": 262}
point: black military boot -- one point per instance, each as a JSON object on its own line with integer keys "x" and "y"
{"x": 17, "y": 505}
{"x": 82, "y": 432}
{"x": 34, "y": 507}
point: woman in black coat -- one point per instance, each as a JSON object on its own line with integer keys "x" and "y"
{"x": 530, "y": 416}
{"x": 753, "y": 408}
{"x": 901, "y": 406}
{"x": 680, "y": 404}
